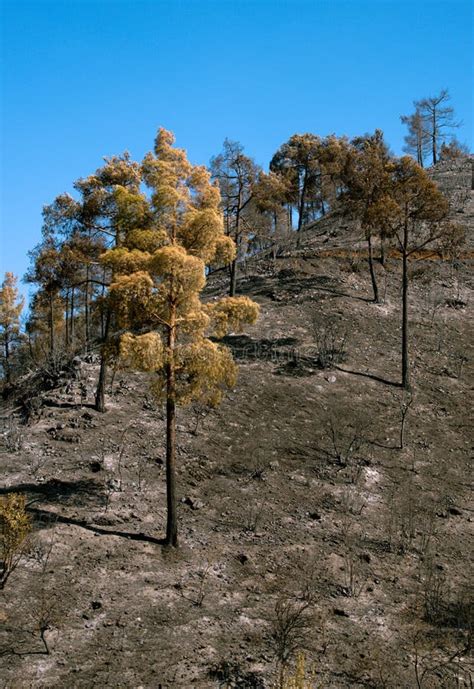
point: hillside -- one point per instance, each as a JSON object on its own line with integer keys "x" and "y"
{"x": 296, "y": 489}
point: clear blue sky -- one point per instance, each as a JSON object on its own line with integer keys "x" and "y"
{"x": 86, "y": 78}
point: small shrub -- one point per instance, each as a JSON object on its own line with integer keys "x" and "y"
{"x": 12, "y": 436}
{"x": 45, "y": 616}
{"x": 290, "y": 629}
{"x": 196, "y": 594}
{"x": 353, "y": 263}
{"x": 347, "y": 448}
{"x": 300, "y": 678}
{"x": 231, "y": 674}
{"x": 15, "y": 527}
{"x": 330, "y": 346}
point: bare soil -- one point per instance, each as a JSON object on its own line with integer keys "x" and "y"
{"x": 295, "y": 487}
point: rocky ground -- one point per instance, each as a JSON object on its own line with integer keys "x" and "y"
{"x": 296, "y": 496}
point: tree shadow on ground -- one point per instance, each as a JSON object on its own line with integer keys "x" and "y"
{"x": 59, "y": 492}
{"x": 56, "y": 404}
{"x": 244, "y": 347}
{"x": 299, "y": 285}
{"x": 45, "y": 516}
{"x": 371, "y": 376}
{"x": 84, "y": 492}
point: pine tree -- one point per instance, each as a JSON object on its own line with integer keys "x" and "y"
{"x": 109, "y": 203}
{"x": 454, "y": 150}
{"x": 46, "y": 271}
{"x": 366, "y": 196}
{"x": 311, "y": 167}
{"x": 11, "y": 306}
{"x": 418, "y": 213}
{"x": 271, "y": 222}
{"x": 417, "y": 141}
{"x": 438, "y": 119}
{"x": 46, "y": 315}
{"x": 297, "y": 161}
{"x": 236, "y": 174}
{"x": 159, "y": 273}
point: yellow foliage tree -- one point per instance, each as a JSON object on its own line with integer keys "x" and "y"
{"x": 11, "y": 306}
{"x": 15, "y": 527}
{"x": 159, "y": 274}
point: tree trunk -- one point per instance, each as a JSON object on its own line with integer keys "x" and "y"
{"x": 405, "y": 364}
{"x": 435, "y": 139}
{"x": 86, "y": 309}
{"x": 172, "y": 517}
{"x": 103, "y": 319}
{"x": 7, "y": 358}
{"x": 51, "y": 323}
{"x": 383, "y": 257}
{"x": 301, "y": 210}
{"x": 100, "y": 392}
{"x": 419, "y": 148}
{"x": 66, "y": 334}
{"x": 233, "y": 267}
{"x": 373, "y": 276}
{"x": 233, "y": 278}
{"x": 71, "y": 334}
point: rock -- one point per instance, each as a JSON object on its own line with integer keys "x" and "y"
{"x": 194, "y": 503}
{"x": 114, "y": 484}
{"x": 96, "y": 605}
{"x": 331, "y": 379}
{"x": 340, "y": 612}
{"x": 67, "y": 435}
{"x": 455, "y": 511}
{"x": 314, "y": 515}
{"x": 104, "y": 520}
{"x": 298, "y": 478}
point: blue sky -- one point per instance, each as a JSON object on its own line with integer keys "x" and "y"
{"x": 86, "y": 78}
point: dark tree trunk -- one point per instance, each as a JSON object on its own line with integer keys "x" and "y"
{"x": 103, "y": 316}
{"x": 233, "y": 267}
{"x": 301, "y": 210}
{"x": 71, "y": 335}
{"x": 435, "y": 140}
{"x": 405, "y": 362}
{"x": 419, "y": 151}
{"x": 86, "y": 310}
{"x": 7, "y": 359}
{"x": 383, "y": 257}
{"x": 51, "y": 323}
{"x": 373, "y": 276}
{"x": 233, "y": 278}
{"x": 100, "y": 392}
{"x": 67, "y": 320}
{"x": 172, "y": 517}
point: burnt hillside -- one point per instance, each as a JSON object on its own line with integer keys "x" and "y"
{"x": 301, "y": 488}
